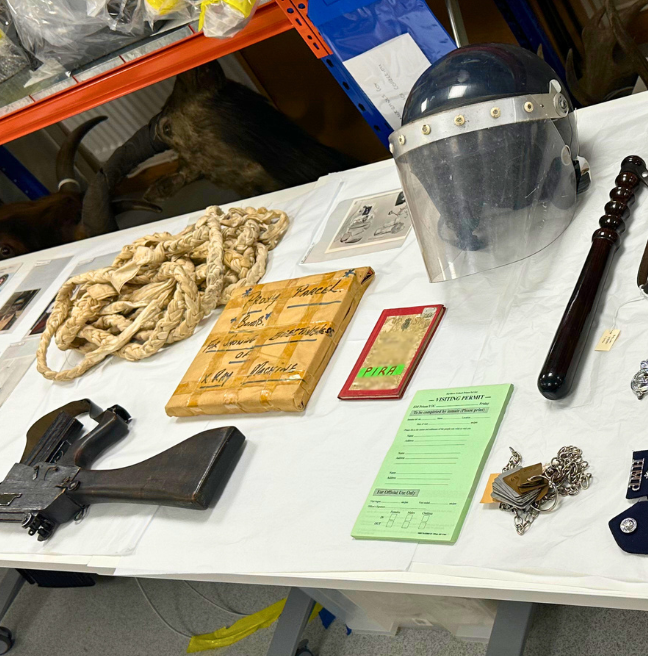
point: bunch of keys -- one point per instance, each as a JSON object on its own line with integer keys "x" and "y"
{"x": 521, "y": 486}
{"x": 528, "y": 491}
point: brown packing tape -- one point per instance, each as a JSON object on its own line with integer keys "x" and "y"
{"x": 268, "y": 315}
{"x": 286, "y": 331}
{"x": 253, "y": 393}
{"x": 273, "y": 394}
{"x": 311, "y": 378}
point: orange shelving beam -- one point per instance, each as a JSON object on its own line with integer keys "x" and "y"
{"x": 297, "y": 13}
{"x": 170, "y": 60}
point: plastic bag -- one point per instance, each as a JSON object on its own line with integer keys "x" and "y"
{"x": 182, "y": 10}
{"x": 12, "y": 57}
{"x": 125, "y": 16}
{"x": 225, "y": 18}
{"x": 130, "y": 16}
{"x": 62, "y": 31}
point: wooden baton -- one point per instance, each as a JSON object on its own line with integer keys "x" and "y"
{"x": 557, "y": 375}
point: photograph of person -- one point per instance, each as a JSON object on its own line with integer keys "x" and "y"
{"x": 14, "y": 307}
{"x": 39, "y": 327}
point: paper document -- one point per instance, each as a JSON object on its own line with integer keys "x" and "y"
{"x": 14, "y": 363}
{"x": 425, "y": 484}
{"x": 7, "y": 273}
{"x": 387, "y": 74}
{"x": 100, "y": 262}
{"x": 30, "y": 290}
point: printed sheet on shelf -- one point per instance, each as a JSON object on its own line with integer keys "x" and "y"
{"x": 30, "y": 290}
{"x": 16, "y": 302}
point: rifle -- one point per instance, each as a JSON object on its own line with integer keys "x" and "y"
{"x": 53, "y": 482}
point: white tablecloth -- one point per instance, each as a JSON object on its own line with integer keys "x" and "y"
{"x": 293, "y": 498}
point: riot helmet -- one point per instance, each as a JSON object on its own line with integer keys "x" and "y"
{"x": 488, "y": 158}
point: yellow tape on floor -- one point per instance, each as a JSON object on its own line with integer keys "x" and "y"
{"x": 241, "y": 629}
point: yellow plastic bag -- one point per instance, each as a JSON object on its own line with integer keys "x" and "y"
{"x": 225, "y": 18}
{"x": 167, "y": 9}
{"x": 241, "y": 628}
{"x": 162, "y": 7}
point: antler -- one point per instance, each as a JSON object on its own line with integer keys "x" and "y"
{"x": 573, "y": 84}
{"x": 626, "y": 42}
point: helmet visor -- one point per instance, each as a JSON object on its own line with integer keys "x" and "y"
{"x": 489, "y": 197}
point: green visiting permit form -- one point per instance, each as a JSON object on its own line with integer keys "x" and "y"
{"x": 428, "y": 477}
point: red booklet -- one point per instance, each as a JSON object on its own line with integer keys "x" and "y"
{"x": 392, "y": 353}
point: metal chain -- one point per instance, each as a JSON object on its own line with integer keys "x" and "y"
{"x": 567, "y": 472}
{"x": 566, "y": 475}
{"x": 514, "y": 460}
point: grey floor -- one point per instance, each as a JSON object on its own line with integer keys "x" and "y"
{"x": 113, "y": 618}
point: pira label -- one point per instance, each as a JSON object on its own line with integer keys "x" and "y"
{"x": 386, "y": 370}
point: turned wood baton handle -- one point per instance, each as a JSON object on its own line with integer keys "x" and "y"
{"x": 560, "y": 367}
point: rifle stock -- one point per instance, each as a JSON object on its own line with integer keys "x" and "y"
{"x": 53, "y": 482}
{"x": 187, "y": 475}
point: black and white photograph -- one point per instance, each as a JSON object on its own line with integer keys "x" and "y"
{"x": 370, "y": 220}
{"x": 358, "y": 225}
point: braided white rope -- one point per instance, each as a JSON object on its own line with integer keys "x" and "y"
{"x": 159, "y": 288}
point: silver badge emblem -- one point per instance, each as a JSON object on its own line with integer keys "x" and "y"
{"x": 639, "y": 384}
{"x": 628, "y": 525}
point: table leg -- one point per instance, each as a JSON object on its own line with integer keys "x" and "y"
{"x": 511, "y": 627}
{"x": 10, "y": 586}
{"x": 291, "y": 624}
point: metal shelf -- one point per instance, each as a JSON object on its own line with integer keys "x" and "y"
{"x": 165, "y": 62}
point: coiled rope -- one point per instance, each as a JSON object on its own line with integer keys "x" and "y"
{"x": 159, "y": 288}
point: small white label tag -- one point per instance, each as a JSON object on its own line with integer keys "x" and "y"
{"x": 607, "y": 340}
{"x": 429, "y": 312}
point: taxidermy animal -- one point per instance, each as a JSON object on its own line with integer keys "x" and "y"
{"x": 612, "y": 59}
{"x": 221, "y": 131}
{"x": 55, "y": 219}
